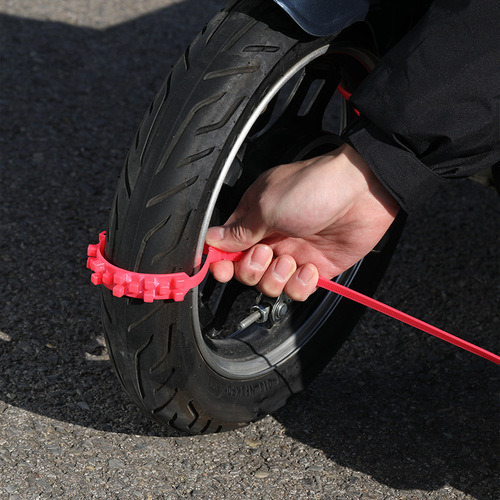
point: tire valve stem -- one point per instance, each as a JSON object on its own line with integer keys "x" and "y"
{"x": 259, "y": 314}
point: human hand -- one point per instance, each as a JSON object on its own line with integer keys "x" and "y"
{"x": 315, "y": 217}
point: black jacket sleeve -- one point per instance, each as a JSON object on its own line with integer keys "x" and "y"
{"x": 431, "y": 107}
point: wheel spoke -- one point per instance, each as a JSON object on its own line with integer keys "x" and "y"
{"x": 310, "y": 97}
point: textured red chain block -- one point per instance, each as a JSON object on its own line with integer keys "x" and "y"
{"x": 148, "y": 287}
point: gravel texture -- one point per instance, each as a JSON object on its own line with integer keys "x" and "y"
{"x": 397, "y": 414}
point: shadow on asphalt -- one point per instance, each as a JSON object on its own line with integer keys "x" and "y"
{"x": 72, "y": 99}
{"x": 406, "y": 408}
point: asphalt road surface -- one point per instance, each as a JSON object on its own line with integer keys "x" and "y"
{"x": 397, "y": 414}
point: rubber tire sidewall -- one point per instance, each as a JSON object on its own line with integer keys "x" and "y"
{"x": 154, "y": 347}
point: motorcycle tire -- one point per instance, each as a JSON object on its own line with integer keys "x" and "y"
{"x": 252, "y": 91}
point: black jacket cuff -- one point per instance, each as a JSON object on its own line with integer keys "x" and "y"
{"x": 408, "y": 180}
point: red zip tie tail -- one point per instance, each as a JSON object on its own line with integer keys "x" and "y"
{"x": 406, "y": 318}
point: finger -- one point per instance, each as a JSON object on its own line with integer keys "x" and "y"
{"x": 277, "y": 275}
{"x": 303, "y": 283}
{"x": 250, "y": 269}
{"x": 237, "y": 236}
{"x": 222, "y": 271}
{"x": 243, "y": 229}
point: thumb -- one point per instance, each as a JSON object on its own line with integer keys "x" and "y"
{"x": 234, "y": 237}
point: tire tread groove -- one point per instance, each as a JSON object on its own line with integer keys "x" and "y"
{"x": 197, "y": 107}
{"x": 223, "y": 121}
{"x": 145, "y": 240}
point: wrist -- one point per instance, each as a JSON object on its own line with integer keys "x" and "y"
{"x": 371, "y": 184}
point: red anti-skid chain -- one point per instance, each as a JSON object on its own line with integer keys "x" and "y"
{"x": 150, "y": 287}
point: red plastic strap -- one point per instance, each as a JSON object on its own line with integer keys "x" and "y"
{"x": 150, "y": 287}
{"x": 406, "y": 318}
{"x": 346, "y": 95}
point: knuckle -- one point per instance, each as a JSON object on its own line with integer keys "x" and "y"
{"x": 299, "y": 291}
{"x": 222, "y": 272}
{"x": 269, "y": 291}
{"x": 246, "y": 274}
{"x": 250, "y": 279}
{"x": 270, "y": 287}
{"x": 239, "y": 233}
{"x": 296, "y": 294}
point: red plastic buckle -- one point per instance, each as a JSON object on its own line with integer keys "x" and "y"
{"x": 148, "y": 287}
